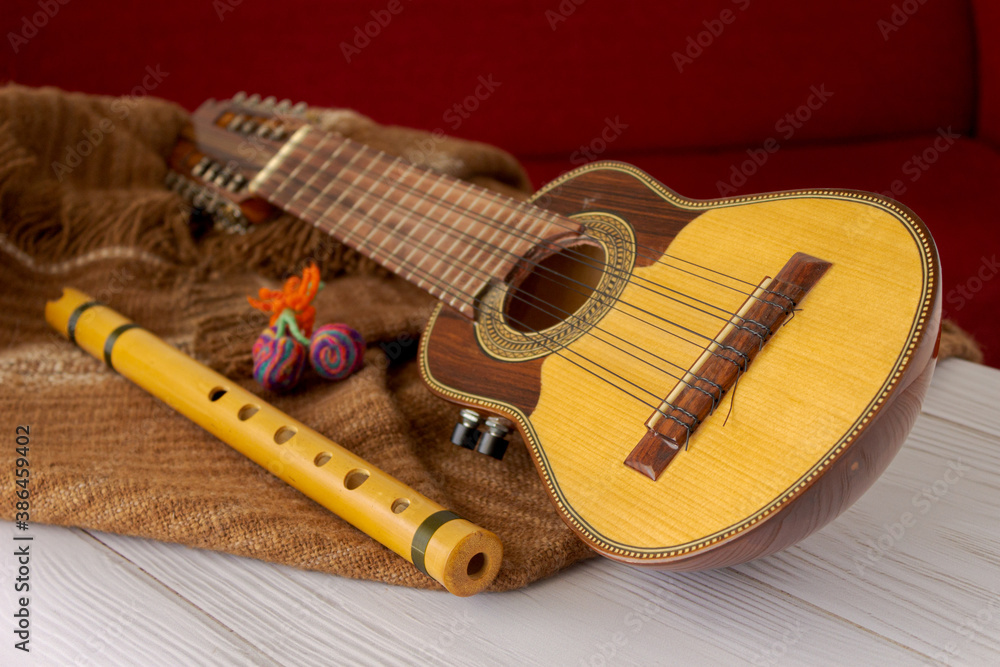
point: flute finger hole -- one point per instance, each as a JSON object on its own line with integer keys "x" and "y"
{"x": 399, "y": 505}
{"x": 355, "y": 478}
{"x": 247, "y": 411}
{"x": 322, "y": 459}
{"x": 284, "y": 434}
{"x": 217, "y": 393}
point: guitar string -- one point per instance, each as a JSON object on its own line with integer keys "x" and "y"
{"x": 472, "y": 271}
{"x": 479, "y": 243}
{"x": 519, "y": 233}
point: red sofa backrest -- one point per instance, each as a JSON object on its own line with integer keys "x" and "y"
{"x": 988, "y": 43}
{"x": 536, "y": 78}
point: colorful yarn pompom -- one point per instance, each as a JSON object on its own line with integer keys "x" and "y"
{"x": 278, "y": 362}
{"x": 295, "y": 297}
{"x": 266, "y": 337}
{"x": 336, "y": 351}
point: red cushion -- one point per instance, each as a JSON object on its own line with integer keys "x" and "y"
{"x": 559, "y": 78}
{"x": 954, "y": 197}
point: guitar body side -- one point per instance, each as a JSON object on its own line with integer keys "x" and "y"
{"x": 456, "y": 367}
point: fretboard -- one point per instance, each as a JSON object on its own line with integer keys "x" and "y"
{"x": 447, "y": 236}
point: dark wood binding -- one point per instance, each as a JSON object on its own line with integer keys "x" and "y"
{"x": 700, "y": 391}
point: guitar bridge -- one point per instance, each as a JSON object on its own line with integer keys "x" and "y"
{"x": 728, "y": 356}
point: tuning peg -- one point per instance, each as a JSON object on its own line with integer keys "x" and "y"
{"x": 494, "y": 441}
{"x": 223, "y": 177}
{"x": 269, "y": 102}
{"x": 253, "y": 100}
{"x": 466, "y": 433}
{"x": 284, "y": 105}
{"x": 240, "y": 97}
{"x": 202, "y": 165}
{"x": 237, "y": 183}
{"x": 300, "y": 108}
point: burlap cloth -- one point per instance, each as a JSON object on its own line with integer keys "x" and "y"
{"x": 82, "y": 204}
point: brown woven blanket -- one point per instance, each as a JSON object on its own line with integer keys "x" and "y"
{"x": 82, "y": 204}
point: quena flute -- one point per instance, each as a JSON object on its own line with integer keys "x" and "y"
{"x": 460, "y": 555}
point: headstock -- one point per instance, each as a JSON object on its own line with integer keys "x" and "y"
{"x": 227, "y": 143}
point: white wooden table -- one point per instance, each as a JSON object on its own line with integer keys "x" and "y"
{"x": 867, "y": 589}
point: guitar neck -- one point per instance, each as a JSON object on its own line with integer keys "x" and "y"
{"x": 447, "y": 236}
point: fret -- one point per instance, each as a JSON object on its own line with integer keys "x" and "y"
{"x": 261, "y": 182}
{"x": 406, "y": 214}
{"x": 386, "y": 223}
{"x": 325, "y": 215}
{"x": 368, "y": 217}
{"x": 304, "y": 191}
{"x": 497, "y": 258}
{"x": 347, "y": 214}
{"x": 461, "y": 265}
{"x": 515, "y": 237}
{"x": 331, "y": 181}
{"x": 442, "y": 255}
{"x": 292, "y": 175}
{"x": 429, "y": 227}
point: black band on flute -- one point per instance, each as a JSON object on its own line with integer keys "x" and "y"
{"x": 109, "y": 344}
{"x": 422, "y": 537}
{"x": 75, "y": 315}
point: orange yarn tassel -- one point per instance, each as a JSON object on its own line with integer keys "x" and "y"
{"x": 296, "y": 295}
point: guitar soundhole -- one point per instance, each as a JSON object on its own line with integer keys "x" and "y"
{"x": 551, "y": 289}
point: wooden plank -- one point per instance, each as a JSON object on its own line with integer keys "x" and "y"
{"x": 966, "y": 394}
{"x": 915, "y": 560}
{"x": 90, "y": 606}
{"x": 595, "y": 613}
